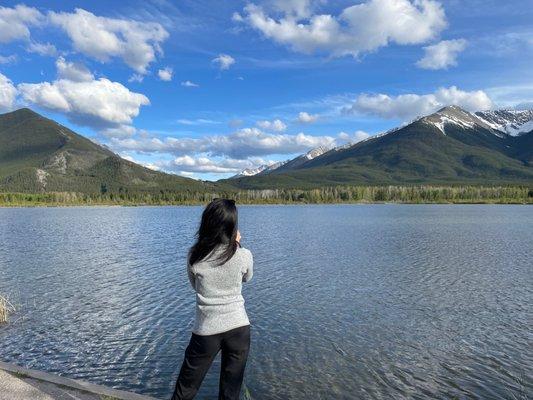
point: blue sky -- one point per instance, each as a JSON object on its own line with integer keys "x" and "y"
{"x": 208, "y": 88}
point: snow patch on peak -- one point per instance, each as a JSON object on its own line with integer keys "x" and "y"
{"x": 316, "y": 152}
{"x": 441, "y": 120}
{"x": 259, "y": 170}
{"x": 251, "y": 171}
{"x": 511, "y": 122}
{"x": 454, "y": 115}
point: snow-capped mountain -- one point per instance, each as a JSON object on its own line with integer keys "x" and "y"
{"x": 501, "y": 122}
{"x": 450, "y": 145}
{"x": 251, "y": 171}
{"x": 316, "y": 152}
{"x": 512, "y": 122}
{"x": 265, "y": 169}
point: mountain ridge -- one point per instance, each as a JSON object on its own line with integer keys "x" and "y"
{"x": 448, "y": 146}
{"x": 38, "y": 154}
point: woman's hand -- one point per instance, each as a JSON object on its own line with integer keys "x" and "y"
{"x": 238, "y": 238}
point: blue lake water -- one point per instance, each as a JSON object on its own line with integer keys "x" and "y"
{"x": 347, "y": 301}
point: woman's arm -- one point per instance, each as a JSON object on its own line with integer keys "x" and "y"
{"x": 249, "y": 266}
{"x": 192, "y": 278}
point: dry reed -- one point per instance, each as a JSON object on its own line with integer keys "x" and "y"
{"x": 6, "y": 308}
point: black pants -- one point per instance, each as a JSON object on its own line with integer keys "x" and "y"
{"x": 200, "y": 354}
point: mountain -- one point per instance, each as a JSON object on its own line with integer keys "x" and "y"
{"x": 283, "y": 165}
{"x": 262, "y": 169}
{"x": 512, "y": 122}
{"x": 451, "y": 146}
{"x": 40, "y": 155}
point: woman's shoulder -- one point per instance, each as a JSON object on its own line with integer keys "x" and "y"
{"x": 243, "y": 252}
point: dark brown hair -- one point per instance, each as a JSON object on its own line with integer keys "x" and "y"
{"x": 218, "y": 227}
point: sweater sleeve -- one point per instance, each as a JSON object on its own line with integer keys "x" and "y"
{"x": 192, "y": 278}
{"x": 248, "y": 268}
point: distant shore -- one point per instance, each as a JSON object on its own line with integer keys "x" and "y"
{"x": 423, "y": 194}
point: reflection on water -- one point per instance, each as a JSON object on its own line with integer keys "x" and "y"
{"x": 363, "y": 301}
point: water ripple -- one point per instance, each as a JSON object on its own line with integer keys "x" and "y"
{"x": 373, "y": 302}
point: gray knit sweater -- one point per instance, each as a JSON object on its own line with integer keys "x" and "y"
{"x": 219, "y": 302}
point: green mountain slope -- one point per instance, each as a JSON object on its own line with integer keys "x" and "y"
{"x": 40, "y": 155}
{"x": 449, "y": 147}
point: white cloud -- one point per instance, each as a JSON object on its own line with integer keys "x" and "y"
{"x": 8, "y": 59}
{"x": 199, "y": 121}
{"x": 442, "y": 55}
{"x": 204, "y": 165}
{"x": 73, "y": 71}
{"x": 8, "y": 93}
{"x": 98, "y": 102}
{"x": 353, "y": 138}
{"x": 136, "y": 78}
{"x": 359, "y": 28}
{"x": 407, "y": 106}
{"x": 43, "y": 49}
{"x": 120, "y": 131}
{"x": 165, "y": 74}
{"x": 306, "y": 118}
{"x": 236, "y": 17}
{"x": 14, "y": 22}
{"x": 239, "y": 145}
{"x": 101, "y": 38}
{"x": 276, "y": 125}
{"x": 189, "y": 84}
{"x": 295, "y": 8}
{"x": 224, "y": 61}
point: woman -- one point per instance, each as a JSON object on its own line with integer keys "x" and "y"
{"x": 217, "y": 266}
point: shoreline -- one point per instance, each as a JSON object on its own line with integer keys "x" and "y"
{"x": 246, "y": 204}
{"x": 20, "y": 382}
{"x": 494, "y": 203}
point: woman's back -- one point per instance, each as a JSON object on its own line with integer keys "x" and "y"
{"x": 219, "y": 303}
{"x": 217, "y": 267}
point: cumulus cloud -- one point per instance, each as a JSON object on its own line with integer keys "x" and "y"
{"x": 43, "y": 49}
{"x": 355, "y": 137}
{"x": 223, "y": 61}
{"x": 202, "y": 164}
{"x": 120, "y": 131}
{"x": 295, "y": 8}
{"x": 442, "y": 55}
{"x": 407, "y": 106}
{"x": 306, "y": 118}
{"x": 76, "y": 72}
{"x": 357, "y": 29}
{"x": 276, "y": 125}
{"x": 165, "y": 74}
{"x": 189, "y": 84}
{"x": 99, "y": 103}
{"x": 8, "y": 93}
{"x": 241, "y": 144}
{"x": 15, "y": 22}
{"x": 102, "y": 38}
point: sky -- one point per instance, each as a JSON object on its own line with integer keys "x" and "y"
{"x": 205, "y": 89}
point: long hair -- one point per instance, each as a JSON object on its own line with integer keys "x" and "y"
{"x": 218, "y": 227}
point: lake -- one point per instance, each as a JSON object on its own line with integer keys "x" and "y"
{"x": 347, "y": 301}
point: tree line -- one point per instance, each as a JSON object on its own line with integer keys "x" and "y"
{"x": 324, "y": 195}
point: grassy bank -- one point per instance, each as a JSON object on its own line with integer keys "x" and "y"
{"x": 325, "y": 195}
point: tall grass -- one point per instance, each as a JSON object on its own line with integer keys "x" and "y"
{"x": 6, "y": 308}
